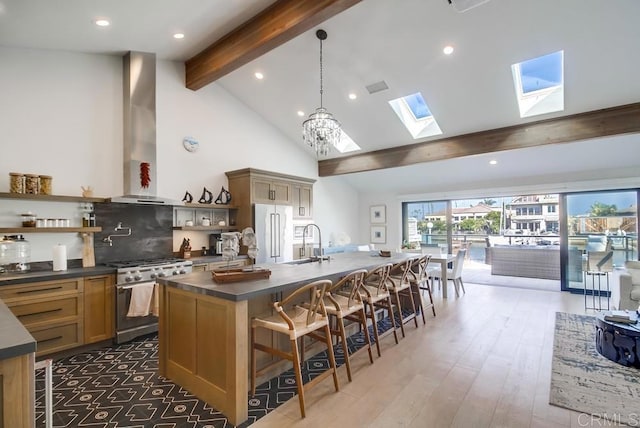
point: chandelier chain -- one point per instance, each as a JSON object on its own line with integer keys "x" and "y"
{"x": 321, "y": 82}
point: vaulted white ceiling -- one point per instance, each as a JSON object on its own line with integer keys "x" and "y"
{"x": 399, "y": 42}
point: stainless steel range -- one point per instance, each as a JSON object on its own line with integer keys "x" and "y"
{"x": 137, "y": 279}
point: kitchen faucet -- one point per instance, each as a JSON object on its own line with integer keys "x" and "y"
{"x": 118, "y": 228}
{"x": 304, "y": 235}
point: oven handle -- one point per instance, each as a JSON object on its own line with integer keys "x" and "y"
{"x": 127, "y": 287}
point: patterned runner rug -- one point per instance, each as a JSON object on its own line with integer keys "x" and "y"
{"x": 585, "y": 381}
{"x": 119, "y": 386}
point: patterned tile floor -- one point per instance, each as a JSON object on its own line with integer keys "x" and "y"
{"x": 118, "y": 386}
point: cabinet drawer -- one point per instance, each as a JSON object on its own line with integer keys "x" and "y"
{"x": 46, "y": 311}
{"x": 232, "y": 264}
{"x": 58, "y": 338}
{"x": 200, "y": 268}
{"x": 38, "y": 289}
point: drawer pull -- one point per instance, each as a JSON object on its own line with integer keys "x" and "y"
{"x": 40, "y": 313}
{"x": 50, "y": 339}
{"x": 39, "y": 290}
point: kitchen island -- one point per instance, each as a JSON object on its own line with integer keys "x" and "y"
{"x": 204, "y": 326}
{"x": 17, "y": 376}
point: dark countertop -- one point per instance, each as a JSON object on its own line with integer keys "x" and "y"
{"x": 11, "y": 278}
{"x": 15, "y": 340}
{"x": 283, "y": 277}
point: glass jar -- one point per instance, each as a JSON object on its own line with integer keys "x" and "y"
{"x": 41, "y": 222}
{"x": 16, "y": 182}
{"x": 52, "y": 222}
{"x": 31, "y": 183}
{"x": 45, "y": 184}
{"x": 63, "y": 222}
{"x": 28, "y": 219}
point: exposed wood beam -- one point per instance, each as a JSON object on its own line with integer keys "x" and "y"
{"x": 277, "y": 24}
{"x": 599, "y": 123}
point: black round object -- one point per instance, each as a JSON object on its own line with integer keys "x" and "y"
{"x": 321, "y": 34}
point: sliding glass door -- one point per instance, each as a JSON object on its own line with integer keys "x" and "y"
{"x": 601, "y": 234}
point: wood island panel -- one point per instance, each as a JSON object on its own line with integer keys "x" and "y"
{"x": 199, "y": 348}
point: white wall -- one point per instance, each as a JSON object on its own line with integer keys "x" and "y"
{"x": 61, "y": 115}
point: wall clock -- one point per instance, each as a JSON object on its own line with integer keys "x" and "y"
{"x": 190, "y": 144}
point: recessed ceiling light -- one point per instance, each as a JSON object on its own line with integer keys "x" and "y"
{"x": 448, "y": 50}
{"x": 352, "y": 96}
{"x": 493, "y": 162}
{"x": 259, "y": 75}
{"x": 178, "y": 36}
{"x": 300, "y": 113}
{"x": 102, "y": 22}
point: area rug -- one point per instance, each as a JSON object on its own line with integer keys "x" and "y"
{"x": 585, "y": 381}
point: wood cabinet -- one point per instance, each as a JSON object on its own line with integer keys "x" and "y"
{"x": 17, "y": 391}
{"x": 203, "y": 267}
{"x": 253, "y": 186}
{"x": 270, "y": 191}
{"x": 52, "y": 311}
{"x": 99, "y": 308}
{"x": 302, "y": 201}
{"x": 66, "y": 313}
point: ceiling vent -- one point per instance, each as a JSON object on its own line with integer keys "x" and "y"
{"x": 464, "y": 5}
{"x": 377, "y": 87}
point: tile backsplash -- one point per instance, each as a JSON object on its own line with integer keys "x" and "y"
{"x": 151, "y": 232}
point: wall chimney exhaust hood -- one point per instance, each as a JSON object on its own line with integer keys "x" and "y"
{"x": 139, "y": 125}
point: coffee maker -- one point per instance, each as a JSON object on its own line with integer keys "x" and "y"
{"x": 215, "y": 244}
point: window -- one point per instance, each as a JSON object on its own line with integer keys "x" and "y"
{"x": 539, "y": 84}
{"x": 413, "y": 112}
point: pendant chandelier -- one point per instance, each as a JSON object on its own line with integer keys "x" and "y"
{"x": 321, "y": 130}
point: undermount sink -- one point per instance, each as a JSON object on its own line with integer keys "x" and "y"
{"x": 307, "y": 260}
{"x": 302, "y": 261}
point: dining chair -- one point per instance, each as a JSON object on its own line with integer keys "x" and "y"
{"x": 296, "y": 321}
{"x": 420, "y": 283}
{"x": 375, "y": 295}
{"x": 454, "y": 274}
{"x": 343, "y": 301}
{"x": 400, "y": 287}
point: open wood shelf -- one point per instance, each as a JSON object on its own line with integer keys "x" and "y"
{"x": 50, "y": 229}
{"x": 210, "y": 206}
{"x": 207, "y": 228}
{"x": 49, "y": 198}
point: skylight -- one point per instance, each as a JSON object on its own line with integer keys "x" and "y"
{"x": 346, "y": 144}
{"x": 415, "y": 115}
{"x": 539, "y": 84}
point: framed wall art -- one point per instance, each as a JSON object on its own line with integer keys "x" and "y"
{"x": 378, "y": 234}
{"x": 377, "y": 214}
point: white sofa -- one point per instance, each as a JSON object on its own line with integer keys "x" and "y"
{"x": 625, "y": 287}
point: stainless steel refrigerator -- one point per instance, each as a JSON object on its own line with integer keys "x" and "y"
{"x": 273, "y": 225}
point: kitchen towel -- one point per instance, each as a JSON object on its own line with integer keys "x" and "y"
{"x": 141, "y": 295}
{"x": 59, "y": 257}
{"x": 155, "y": 301}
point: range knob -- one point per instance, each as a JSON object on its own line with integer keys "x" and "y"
{"x": 182, "y": 271}
{"x": 137, "y": 276}
{"x": 152, "y": 275}
{"x": 128, "y": 278}
{"x": 161, "y": 274}
{"x": 175, "y": 272}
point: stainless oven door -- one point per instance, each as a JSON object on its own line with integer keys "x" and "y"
{"x": 128, "y": 328}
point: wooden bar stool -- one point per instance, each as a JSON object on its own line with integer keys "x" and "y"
{"x": 376, "y": 295}
{"x": 343, "y": 301}
{"x": 296, "y": 321}
{"x": 399, "y": 285}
